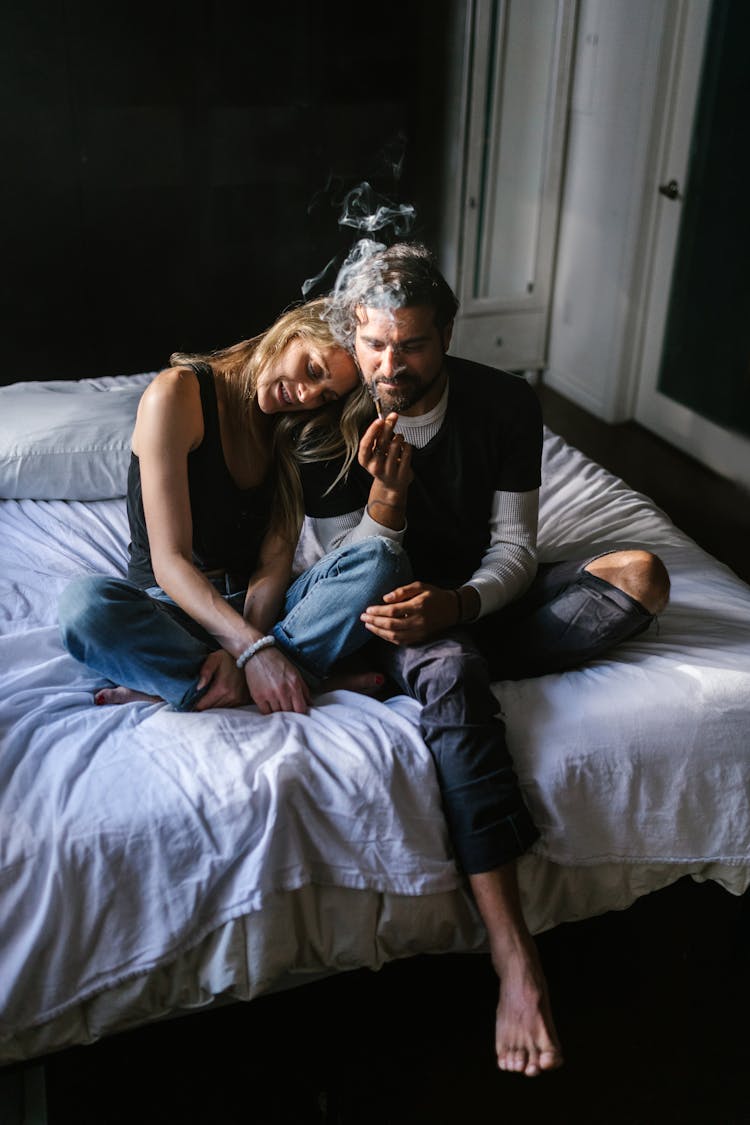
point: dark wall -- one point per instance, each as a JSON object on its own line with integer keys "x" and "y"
{"x": 165, "y": 165}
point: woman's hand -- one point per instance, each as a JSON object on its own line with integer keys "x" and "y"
{"x": 413, "y": 613}
{"x": 268, "y": 679}
{"x": 227, "y": 686}
{"x": 275, "y": 684}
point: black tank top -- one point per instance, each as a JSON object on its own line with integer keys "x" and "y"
{"x": 229, "y": 523}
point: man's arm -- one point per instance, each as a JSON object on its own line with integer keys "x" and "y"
{"x": 507, "y": 568}
{"x": 340, "y": 531}
{"x": 510, "y": 561}
{"x": 415, "y": 612}
{"x": 386, "y": 457}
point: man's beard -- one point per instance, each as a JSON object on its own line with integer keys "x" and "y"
{"x": 403, "y": 397}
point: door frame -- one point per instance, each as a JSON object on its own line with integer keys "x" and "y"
{"x": 723, "y": 450}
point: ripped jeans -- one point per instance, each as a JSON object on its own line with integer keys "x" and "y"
{"x": 566, "y": 617}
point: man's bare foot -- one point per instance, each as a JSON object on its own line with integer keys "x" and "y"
{"x": 525, "y": 1038}
{"x": 116, "y": 695}
{"x": 366, "y": 683}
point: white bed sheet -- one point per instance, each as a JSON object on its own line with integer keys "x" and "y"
{"x": 151, "y": 861}
{"x": 665, "y": 777}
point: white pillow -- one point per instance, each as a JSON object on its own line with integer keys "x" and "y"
{"x": 68, "y": 440}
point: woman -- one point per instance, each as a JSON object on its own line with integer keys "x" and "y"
{"x": 215, "y": 507}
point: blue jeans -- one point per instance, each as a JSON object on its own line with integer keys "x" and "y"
{"x": 142, "y": 640}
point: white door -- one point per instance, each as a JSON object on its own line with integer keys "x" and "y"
{"x": 518, "y": 62}
{"x": 718, "y": 446}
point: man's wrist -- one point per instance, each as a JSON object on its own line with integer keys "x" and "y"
{"x": 388, "y": 497}
{"x": 386, "y": 504}
{"x": 469, "y": 604}
{"x": 389, "y": 510}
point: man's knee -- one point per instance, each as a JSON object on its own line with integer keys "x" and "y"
{"x": 640, "y": 574}
{"x": 453, "y": 679}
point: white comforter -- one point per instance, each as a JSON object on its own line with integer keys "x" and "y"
{"x": 132, "y": 834}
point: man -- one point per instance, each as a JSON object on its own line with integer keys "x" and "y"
{"x": 452, "y": 471}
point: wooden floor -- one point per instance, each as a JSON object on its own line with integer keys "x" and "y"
{"x": 652, "y": 1003}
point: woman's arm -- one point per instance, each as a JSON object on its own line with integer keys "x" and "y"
{"x": 268, "y": 584}
{"x": 169, "y": 425}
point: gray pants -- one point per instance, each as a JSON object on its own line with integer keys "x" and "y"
{"x": 566, "y": 617}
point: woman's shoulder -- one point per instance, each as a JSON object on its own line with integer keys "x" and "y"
{"x": 173, "y": 388}
{"x": 172, "y": 399}
{"x": 180, "y": 381}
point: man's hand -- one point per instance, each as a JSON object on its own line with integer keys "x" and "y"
{"x": 227, "y": 687}
{"x": 275, "y": 684}
{"x": 387, "y": 458}
{"x": 412, "y": 613}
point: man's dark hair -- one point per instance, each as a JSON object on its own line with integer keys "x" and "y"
{"x": 395, "y": 277}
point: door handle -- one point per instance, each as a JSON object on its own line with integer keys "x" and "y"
{"x": 670, "y": 190}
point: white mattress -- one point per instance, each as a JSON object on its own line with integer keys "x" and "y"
{"x": 152, "y": 861}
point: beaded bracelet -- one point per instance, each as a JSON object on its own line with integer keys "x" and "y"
{"x": 250, "y": 651}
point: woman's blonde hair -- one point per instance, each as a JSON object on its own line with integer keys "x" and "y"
{"x": 329, "y": 433}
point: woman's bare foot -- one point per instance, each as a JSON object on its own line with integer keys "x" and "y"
{"x": 525, "y": 1038}
{"x": 366, "y": 683}
{"x": 109, "y": 696}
